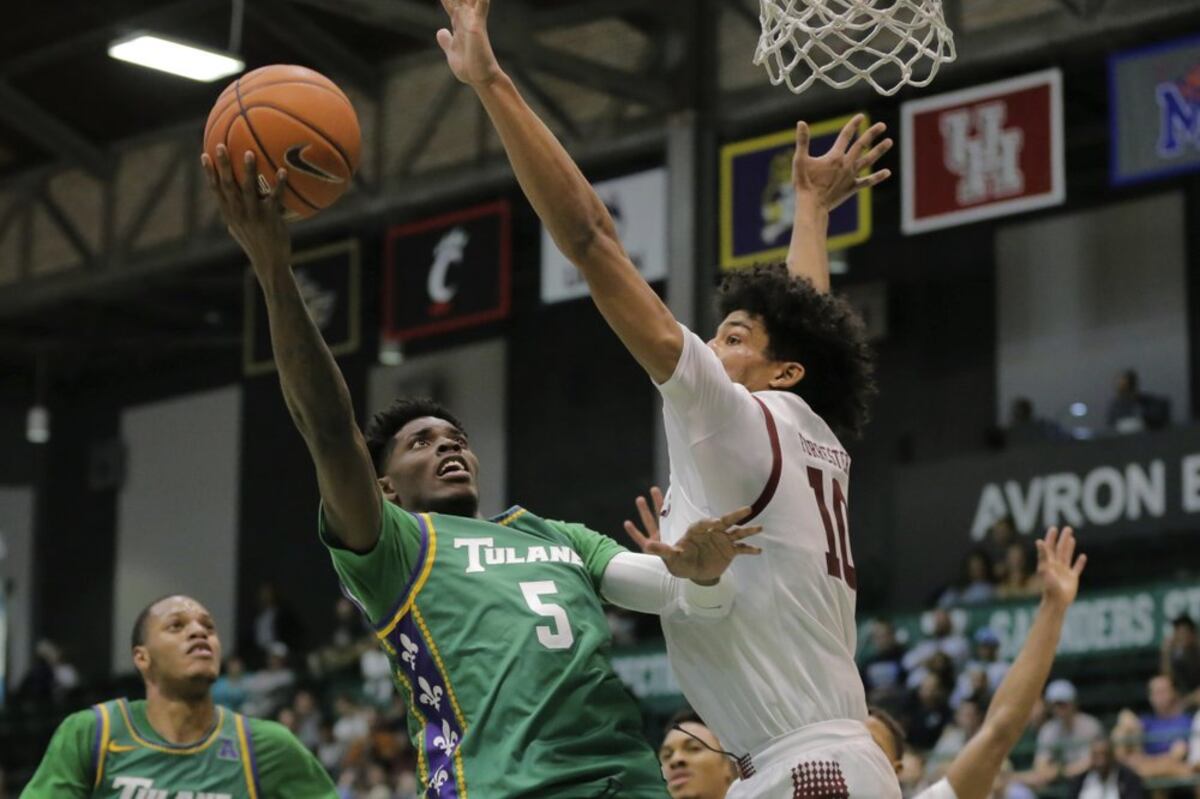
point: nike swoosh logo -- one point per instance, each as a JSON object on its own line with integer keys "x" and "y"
{"x": 117, "y": 748}
{"x": 294, "y": 157}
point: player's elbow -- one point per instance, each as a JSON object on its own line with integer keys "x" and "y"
{"x": 1002, "y": 729}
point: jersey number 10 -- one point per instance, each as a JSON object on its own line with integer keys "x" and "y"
{"x": 838, "y": 566}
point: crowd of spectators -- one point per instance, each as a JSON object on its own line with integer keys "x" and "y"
{"x": 939, "y": 687}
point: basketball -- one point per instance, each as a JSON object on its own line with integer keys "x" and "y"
{"x": 290, "y": 117}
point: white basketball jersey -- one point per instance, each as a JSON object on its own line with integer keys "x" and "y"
{"x": 784, "y": 657}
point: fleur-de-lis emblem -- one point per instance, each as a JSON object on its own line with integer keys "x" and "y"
{"x": 430, "y": 694}
{"x": 439, "y": 779}
{"x": 448, "y": 740}
{"x": 409, "y": 655}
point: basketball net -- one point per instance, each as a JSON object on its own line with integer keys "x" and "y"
{"x": 841, "y": 42}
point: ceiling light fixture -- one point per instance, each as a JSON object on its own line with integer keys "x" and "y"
{"x": 176, "y": 57}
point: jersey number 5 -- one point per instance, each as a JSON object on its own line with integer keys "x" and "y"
{"x": 838, "y": 566}
{"x": 558, "y": 636}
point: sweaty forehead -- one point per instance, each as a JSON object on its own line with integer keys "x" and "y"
{"x": 173, "y": 605}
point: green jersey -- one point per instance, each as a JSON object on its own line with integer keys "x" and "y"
{"x": 111, "y": 752}
{"x": 499, "y": 641}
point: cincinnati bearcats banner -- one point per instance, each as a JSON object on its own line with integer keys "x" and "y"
{"x": 758, "y": 202}
{"x": 983, "y": 152}
{"x": 448, "y": 272}
{"x": 330, "y": 282}
{"x": 1154, "y": 102}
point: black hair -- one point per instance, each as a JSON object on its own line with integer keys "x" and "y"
{"x": 684, "y": 715}
{"x": 818, "y": 330}
{"x": 893, "y": 727}
{"x": 1183, "y": 620}
{"x": 138, "y": 637}
{"x": 381, "y": 430}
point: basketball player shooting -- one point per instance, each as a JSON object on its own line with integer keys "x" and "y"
{"x": 750, "y": 420}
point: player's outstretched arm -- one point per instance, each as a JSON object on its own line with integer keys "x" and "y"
{"x": 824, "y": 182}
{"x": 567, "y": 204}
{"x": 313, "y": 386}
{"x": 972, "y": 773}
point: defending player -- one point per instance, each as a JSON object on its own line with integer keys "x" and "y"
{"x": 176, "y": 743}
{"x": 495, "y": 628}
{"x": 750, "y": 420}
{"x": 973, "y": 771}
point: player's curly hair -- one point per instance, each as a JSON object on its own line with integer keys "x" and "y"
{"x": 381, "y": 430}
{"x": 820, "y": 331}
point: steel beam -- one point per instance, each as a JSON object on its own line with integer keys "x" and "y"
{"x": 51, "y": 133}
{"x": 325, "y": 50}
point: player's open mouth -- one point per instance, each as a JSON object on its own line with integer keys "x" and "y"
{"x": 200, "y": 650}
{"x": 454, "y": 467}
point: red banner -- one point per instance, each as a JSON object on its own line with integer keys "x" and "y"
{"x": 983, "y": 152}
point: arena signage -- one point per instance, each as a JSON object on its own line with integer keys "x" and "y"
{"x": 1107, "y": 488}
{"x": 983, "y": 152}
{"x": 638, "y": 204}
{"x": 448, "y": 272}
{"x": 330, "y": 282}
{"x": 758, "y": 202}
{"x": 1154, "y": 101}
{"x": 1103, "y": 622}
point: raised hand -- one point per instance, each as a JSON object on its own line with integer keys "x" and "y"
{"x": 255, "y": 221}
{"x": 467, "y": 47}
{"x": 834, "y": 177}
{"x": 704, "y": 552}
{"x": 1060, "y": 576}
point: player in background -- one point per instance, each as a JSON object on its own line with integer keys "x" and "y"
{"x": 692, "y": 761}
{"x": 176, "y": 742}
{"x": 973, "y": 771}
{"x": 750, "y": 420}
{"x": 494, "y": 627}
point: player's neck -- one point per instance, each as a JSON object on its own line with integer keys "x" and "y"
{"x": 179, "y": 720}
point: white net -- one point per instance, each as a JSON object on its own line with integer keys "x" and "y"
{"x": 887, "y": 43}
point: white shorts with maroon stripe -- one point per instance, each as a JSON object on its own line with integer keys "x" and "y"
{"x": 830, "y": 760}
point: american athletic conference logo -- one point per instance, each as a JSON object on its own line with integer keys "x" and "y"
{"x": 1179, "y": 118}
{"x": 982, "y": 152}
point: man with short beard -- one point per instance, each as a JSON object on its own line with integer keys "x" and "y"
{"x": 177, "y": 742}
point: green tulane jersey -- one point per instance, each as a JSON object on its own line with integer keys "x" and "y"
{"x": 499, "y": 641}
{"x": 111, "y": 752}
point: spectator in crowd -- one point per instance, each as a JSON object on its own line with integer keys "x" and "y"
{"x": 981, "y": 676}
{"x": 274, "y": 623}
{"x": 377, "y": 783}
{"x": 1181, "y": 659}
{"x": 338, "y": 658}
{"x": 287, "y": 718}
{"x": 308, "y": 719}
{"x": 622, "y": 625}
{"x": 1132, "y": 411}
{"x": 353, "y": 722}
{"x": 929, "y": 713}
{"x": 230, "y": 688}
{"x": 406, "y": 785}
{"x": 1007, "y": 787}
{"x": 693, "y": 762}
{"x": 1020, "y": 581}
{"x": 268, "y": 690}
{"x": 883, "y": 673}
{"x": 967, "y": 720}
{"x": 1000, "y": 536}
{"x": 1105, "y": 778}
{"x": 942, "y": 637}
{"x": 51, "y": 678}
{"x": 976, "y": 586}
{"x": 376, "y": 676}
{"x": 1064, "y": 741}
{"x": 1156, "y": 744}
{"x": 330, "y": 751}
{"x": 1025, "y": 427}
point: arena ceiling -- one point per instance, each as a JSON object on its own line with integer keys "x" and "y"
{"x": 107, "y": 241}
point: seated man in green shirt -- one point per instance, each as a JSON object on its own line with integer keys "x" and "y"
{"x": 176, "y": 743}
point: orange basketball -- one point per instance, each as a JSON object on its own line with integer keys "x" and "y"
{"x": 294, "y": 118}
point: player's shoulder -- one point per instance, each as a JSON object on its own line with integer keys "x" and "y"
{"x": 84, "y": 720}
{"x": 271, "y": 736}
{"x": 790, "y": 411}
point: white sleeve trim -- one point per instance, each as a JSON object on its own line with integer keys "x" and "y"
{"x": 641, "y": 582}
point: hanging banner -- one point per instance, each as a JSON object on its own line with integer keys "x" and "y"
{"x": 983, "y": 152}
{"x": 758, "y": 202}
{"x": 329, "y": 279}
{"x": 1154, "y": 106}
{"x": 638, "y": 205}
{"x": 447, "y": 273}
